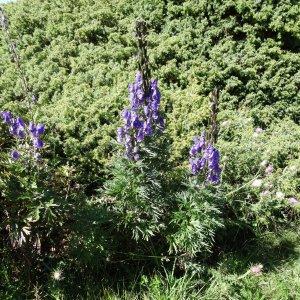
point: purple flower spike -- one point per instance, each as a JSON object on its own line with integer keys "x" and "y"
{"x": 20, "y": 133}
{"x": 15, "y": 155}
{"x": 213, "y": 157}
{"x": 147, "y": 111}
{"x": 138, "y": 78}
{"x": 142, "y": 118}
{"x": 210, "y": 159}
{"x": 193, "y": 151}
{"x": 32, "y": 129}
{"x": 201, "y": 163}
{"x": 194, "y": 165}
{"x": 13, "y": 129}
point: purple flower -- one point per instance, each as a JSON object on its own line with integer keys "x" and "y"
{"x": 199, "y": 143}
{"x": 210, "y": 158}
{"x": 20, "y": 122}
{"x": 126, "y": 114}
{"x": 194, "y": 165}
{"x": 21, "y": 133}
{"x": 193, "y": 151}
{"x": 148, "y": 128}
{"x": 128, "y": 141}
{"x": 139, "y": 79}
{"x": 15, "y": 155}
{"x": 136, "y": 93}
{"x": 38, "y": 143}
{"x": 147, "y": 111}
{"x": 40, "y": 129}
{"x": 120, "y": 134}
{"x": 140, "y": 135}
{"x": 17, "y": 128}
{"x": 213, "y": 157}
{"x": 36, "y": 130}
{"x": 136, "y": 123}
{"x": 201, "y": 163}
{"x": 155, "y": 95}
{"x": 7, "y": 117}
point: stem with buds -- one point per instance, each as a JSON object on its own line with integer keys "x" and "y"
{"x": 143, "y": 61}
{"x": 214, "y": 130}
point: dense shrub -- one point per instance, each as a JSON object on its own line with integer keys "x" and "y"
{"x": 80, "y": 54}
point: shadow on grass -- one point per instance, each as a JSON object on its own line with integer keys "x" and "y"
{"x": 242, "y": 250}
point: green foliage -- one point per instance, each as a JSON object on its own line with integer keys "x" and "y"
{"x": 79, "y": 55}
{"x": 136, "y": 197}
{"x": 246, "y": 156}
{"x": 148, "y": 202}
{"x": 195, "y": 219}
{"x": 36, "y": 206}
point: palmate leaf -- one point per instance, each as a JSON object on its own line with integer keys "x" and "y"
{"x": 195, "y": 220}
{"x": 138, "y": 200}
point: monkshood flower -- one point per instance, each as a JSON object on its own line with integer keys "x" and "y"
{"x": 213, "y": 159}
{"x": 21, "y": 131}
{"x": 142, "y": 119}
{"x": 7, "y": 117}
{"x": 199, "y": 144}
{"x": 15, "y": 155}
{"x": 205, "y": 157}
{"x": 36, "y": 131}
{"x": 17, "y": 128}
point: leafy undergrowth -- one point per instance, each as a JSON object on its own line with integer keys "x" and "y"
{"x": 231, "y": 278}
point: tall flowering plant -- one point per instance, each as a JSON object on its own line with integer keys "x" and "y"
{"x": 142, "y": 119}
{"x": 137, "y": 185}
{"x": 196, "y": 214}
{"x": 140, "y": 207}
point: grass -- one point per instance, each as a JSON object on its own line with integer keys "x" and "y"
{"x": 229, "y": 278}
